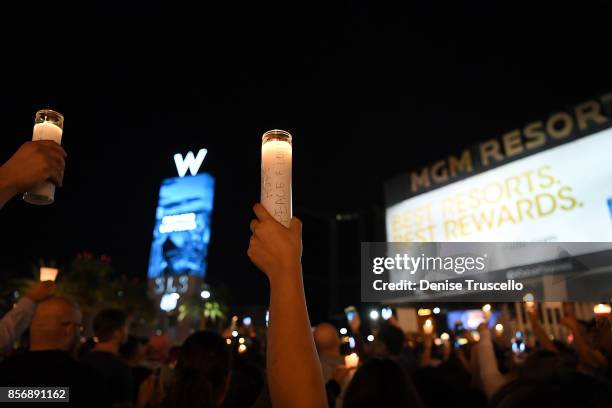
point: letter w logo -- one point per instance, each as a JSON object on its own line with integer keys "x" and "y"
{"x": 190, "y": 162}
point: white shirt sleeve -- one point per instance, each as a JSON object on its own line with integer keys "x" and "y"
{"x": 15, "y": 322}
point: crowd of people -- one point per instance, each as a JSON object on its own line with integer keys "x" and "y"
{"x": 297, "y": 365}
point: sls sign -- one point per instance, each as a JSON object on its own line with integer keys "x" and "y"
{"x": 189, "y": 162}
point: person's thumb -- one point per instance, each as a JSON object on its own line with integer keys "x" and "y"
{"x": 296, "y": 227}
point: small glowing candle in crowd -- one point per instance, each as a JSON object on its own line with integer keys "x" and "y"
{"x": 428, "y": 327}
{"x": 370, "y": 338}
{"x": 462, "y": 341}
{"x": 343, "y": 331}
{"x": 276, "y": 158}
{"x": 351, "y": 361}
{"x": 242, "y": 348}
{"x": 486, "y": 309}
{"x": 601, "y": 309}
{"x": 529, "y": 301}
{"x": 235, "y": 333}
{"x": 228, "y": 341}
{"x": 436, "y": 310}
{"x": 48, "y": 274}
{"x": 374, "y": 315}
{"x": 424, "y": 312}
{"x": 48, "y": 125}
{"x": 437, "y": 341}
{"x": 241, "y": 340}
{"x": 445, "y": 336}
{"x": 499, "y": 329}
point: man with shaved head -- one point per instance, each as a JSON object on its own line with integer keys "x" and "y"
{"x": 328, "y": 346}
{"x": 54, "y": 336}
{"x": 56, "y": 326}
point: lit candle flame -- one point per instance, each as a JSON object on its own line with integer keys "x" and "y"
{"x": 601, "y": 309}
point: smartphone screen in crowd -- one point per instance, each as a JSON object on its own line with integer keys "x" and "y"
{"x": 350, "y": 312}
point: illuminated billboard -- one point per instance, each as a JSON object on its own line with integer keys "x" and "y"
{"x": 182, "y": 228}
{"x": 548, "y": 181}
{"x": 562, "y": 194}
{"x": 536, "y": 201}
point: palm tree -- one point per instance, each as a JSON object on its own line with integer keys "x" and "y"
{"x": 93, "y": 284}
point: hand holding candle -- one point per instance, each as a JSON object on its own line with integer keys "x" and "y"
{"x": 276, "y": 161}
{"x": 41, "y": 291}
{"x": 351, "y": 361}
{"x": 48, "y": 125}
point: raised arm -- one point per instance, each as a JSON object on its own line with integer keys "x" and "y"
{"x": 588, "y": 355}
{"x": 294, "y": 372}
{"x": 17, "y": 320}
{"x": 490, "y": 377}
{"x": 539, "y": 332}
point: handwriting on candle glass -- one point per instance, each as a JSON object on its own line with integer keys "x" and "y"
{"x": 276, "y": 172}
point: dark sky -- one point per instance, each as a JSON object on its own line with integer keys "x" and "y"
{"x": 368, "y": 91}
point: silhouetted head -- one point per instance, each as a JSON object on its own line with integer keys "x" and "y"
{"x": 133, "y": 351}
{"x": 393, "y": 338}
{"x": 381, "y": 383}
{"x": 202, "y": 372}
{"x": 110, "y": 325}
{"x": 563, "y": 391}
{"x": 326, "y": 338}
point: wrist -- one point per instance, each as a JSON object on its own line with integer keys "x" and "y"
{"x": 287, "y": 279}
{"x": 286, "y": 271}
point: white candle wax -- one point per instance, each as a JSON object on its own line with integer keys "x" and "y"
{"x": 351, "y": 361}
{"x": 48, "y": 274}
{"x": 276, "y": 156}
{"x": 45, "y": 192}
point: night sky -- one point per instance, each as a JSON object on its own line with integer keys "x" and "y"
{"x": 368, "y": 91}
